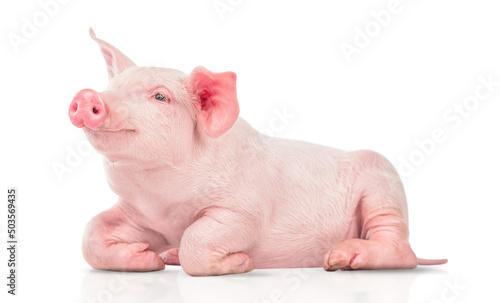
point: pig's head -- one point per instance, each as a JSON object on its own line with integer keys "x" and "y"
{"x": 150, "y": 113}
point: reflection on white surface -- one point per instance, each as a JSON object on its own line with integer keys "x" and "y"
{"x": 265, "y": 285}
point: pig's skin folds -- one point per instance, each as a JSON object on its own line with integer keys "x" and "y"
{"x": 199, "y": 187}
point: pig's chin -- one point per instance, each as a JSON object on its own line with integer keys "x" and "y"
{"x": 106, "y": 141}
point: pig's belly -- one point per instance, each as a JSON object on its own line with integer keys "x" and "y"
{"x": 302, "y": 237}
{"x": 314, "y": 207}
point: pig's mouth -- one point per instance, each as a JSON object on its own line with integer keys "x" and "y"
{"x": 108, "y": 140}
{"x": 126, "y": 130}
{"x": 107, "y": 134}
{"x": 116, "y": 131}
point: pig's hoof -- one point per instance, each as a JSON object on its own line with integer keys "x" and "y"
{"x": 171, "y": 257}
{"x": 355, "y": 254}
{"x": 130, "y": 257}
{"x": 235, "y": 263}
{"x": 146, "y": 261}
{"x": 344, "y": 255}
{"x": 338, "y": 260}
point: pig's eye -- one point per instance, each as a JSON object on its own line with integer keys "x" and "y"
{"x": 161, "y": 97}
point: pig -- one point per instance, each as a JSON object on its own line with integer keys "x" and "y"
{"x": 198, "y": 187}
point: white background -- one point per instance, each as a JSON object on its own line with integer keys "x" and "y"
{"x": 394, "y": 91}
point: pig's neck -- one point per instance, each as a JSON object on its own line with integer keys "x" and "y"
{"x": 162, "y": 182}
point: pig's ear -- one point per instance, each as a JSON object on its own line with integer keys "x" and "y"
{"x": 218, "y": 107}
{"x": 116, "y": 61}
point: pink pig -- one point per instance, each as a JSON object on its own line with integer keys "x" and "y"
{"x": 200, "y": 188}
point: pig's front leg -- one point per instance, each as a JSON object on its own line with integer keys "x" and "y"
{"x": 112, "y": 241}
{"x": 214, "y": 244}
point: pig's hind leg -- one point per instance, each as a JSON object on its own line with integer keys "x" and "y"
{"x": 114, "y": 242}
{"x": 382, "y": 218}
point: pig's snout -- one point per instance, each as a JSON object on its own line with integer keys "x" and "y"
{"x": 87, "y": 109}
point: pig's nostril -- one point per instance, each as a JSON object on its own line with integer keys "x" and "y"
{"x": 95, "y": 110}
